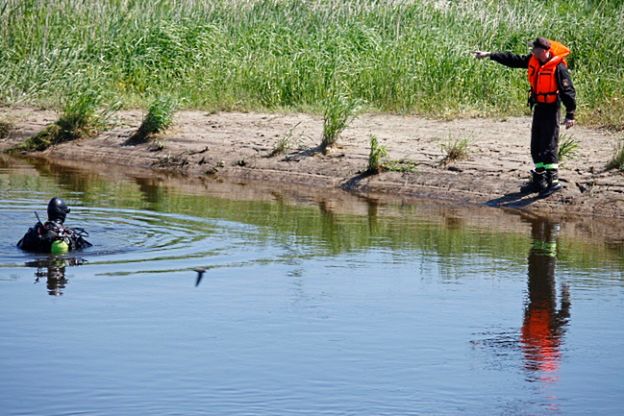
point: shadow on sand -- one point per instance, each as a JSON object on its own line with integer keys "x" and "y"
{"x": 513, "y": 200}
{"x": 301, "y": 154}
{"x": 354, "y": 181}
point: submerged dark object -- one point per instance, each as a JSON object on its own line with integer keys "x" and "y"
{"x": 200, "y": 276}
{"x": 54, "y": 236}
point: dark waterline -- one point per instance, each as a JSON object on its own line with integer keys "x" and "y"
{"x": 196, "y": 301}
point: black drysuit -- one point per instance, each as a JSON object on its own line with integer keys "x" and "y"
{"x": 40, "y": 237}
{"x": 545, "y": 125}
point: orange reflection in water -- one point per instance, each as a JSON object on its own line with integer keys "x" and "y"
{"x": 544, "y": 324}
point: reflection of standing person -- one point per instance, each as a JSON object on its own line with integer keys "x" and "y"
{"x": 543, "y": 325}
{"x": 550, "y": 81}
{"x": 54, "y": 272}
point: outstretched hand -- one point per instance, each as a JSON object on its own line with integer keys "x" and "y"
{"x": 481, "y": 54}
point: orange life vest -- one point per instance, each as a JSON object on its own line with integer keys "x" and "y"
{"x": 542, "y": 78}
{"x": 540, "y": 343}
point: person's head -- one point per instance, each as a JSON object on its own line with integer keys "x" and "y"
{"x": 57, "y": 210}
{"x": 541, "y": 49}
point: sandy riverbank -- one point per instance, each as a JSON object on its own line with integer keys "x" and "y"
{"x": 238, "y": 146}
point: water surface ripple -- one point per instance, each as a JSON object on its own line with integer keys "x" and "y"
{"x": 193, "y": 301}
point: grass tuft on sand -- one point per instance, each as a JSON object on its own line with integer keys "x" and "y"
{"x": 80, "y": 119}
{"x": 454, "y": 150}
{"x": 617, "y": 162}
{"x": 339, "y": 110}
{"x": 5, "y": 129}
{"x": 376, "y": 155}
{"x": 159, "y": 117}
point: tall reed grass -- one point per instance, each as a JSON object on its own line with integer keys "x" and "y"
{"x": 81, "y": 118}
{"x": 159, "y": 118}
{"x": 376, "y": 155}
{"x": 339, "y": 109}
{"x": 397, "y": 56}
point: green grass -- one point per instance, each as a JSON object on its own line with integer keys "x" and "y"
{"x": 568, "y": 147}
{"x": 378, "y": 163}
{"x": 80, "y": 119}
{"x": 339, "y": 111}
{"x": 402, "y": 166}
{"x": 159, "y": 117}
{"x": 284, "y": 142}
{"x": 282, "y": 146}
{"x": 397, "y": 56}
{"x": 376, "y": 155}
{"x": 455, "y": 150}
{"x": 5, "y": 129}
{"x": 617, "y": 162}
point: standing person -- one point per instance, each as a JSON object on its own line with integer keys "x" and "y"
{"x": 550, "y": 81}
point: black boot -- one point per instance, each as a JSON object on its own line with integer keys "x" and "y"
{"x": 553, "y": 185}
{"x": 536, "y": 184}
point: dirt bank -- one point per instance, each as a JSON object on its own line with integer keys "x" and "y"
{"x": 239, "y": 146}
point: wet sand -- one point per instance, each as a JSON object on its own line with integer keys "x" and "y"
{"x": 240, "y": 147}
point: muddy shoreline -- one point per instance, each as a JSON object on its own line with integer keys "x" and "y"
{"x": 240, "y": 147}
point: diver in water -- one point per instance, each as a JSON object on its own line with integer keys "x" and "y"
{"x": 54, "y": 237}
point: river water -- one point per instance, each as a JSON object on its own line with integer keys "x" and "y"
{"x": 211, "y": 299}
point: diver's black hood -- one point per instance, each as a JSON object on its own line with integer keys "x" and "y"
{"x": 57, "y": 210}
